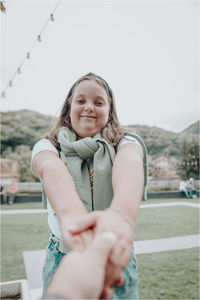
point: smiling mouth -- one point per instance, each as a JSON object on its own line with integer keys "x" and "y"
{"x": 88, "y": 117}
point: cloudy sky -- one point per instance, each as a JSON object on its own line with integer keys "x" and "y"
{"x": 146, "y": 50}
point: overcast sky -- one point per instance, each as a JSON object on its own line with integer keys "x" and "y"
{"x": 146, "y": 50}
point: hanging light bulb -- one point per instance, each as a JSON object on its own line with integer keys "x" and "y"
{"x": 39, "y": 38}
{"x": 52, "y": 17}
{"x": 19, "y": 70}
{"x": 28, "y": 55}
{"x": 10, "y": 83}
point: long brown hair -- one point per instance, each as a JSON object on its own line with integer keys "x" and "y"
{"x": 112, "y": 132}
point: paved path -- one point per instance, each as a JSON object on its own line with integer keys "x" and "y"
{"x": 190, "y": 204}
{"x": 167, "y": 244}
{"x": 34, "y": 261}
{"x": 23, "y": 211}
{"x": 42, "y": 211}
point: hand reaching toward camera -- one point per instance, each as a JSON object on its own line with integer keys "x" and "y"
{"x": 80, "y": 275}
{"x": 110, "y": 220}
{"x": 79, "y": 241}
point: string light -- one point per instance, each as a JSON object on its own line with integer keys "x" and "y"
{"x": 28, "y": 56}
{"x": 52, "y": 18}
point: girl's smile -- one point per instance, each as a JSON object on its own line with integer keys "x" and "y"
{"x": 89, "y": 117}
{"x": 89, "y": 109}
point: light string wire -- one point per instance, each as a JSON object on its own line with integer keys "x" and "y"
{"x": 28, "y": 56}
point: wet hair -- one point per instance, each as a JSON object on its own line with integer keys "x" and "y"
{"x": 112, "y": 132}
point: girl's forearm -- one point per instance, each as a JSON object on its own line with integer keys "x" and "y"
{"x": 60, "y": 190}
{"x": 128, "y": 181}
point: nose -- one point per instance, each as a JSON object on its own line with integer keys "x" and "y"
{"x": 89, "y": 106}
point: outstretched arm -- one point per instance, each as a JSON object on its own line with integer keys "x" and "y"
{"x": 128, "y": 180}
{"x": 57, "y": 183}
{"x": 61, "y": 193}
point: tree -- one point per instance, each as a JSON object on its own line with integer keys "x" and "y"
{"x": 22, "y": 156}
{"x": 189, "y": 160}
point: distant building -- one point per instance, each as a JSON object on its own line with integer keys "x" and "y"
{"x": 164, "y": 168}
{"x": 8, "y": 170}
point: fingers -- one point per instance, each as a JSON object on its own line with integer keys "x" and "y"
{"x": 74, "y": 241}
{"x": 121, "y": 254}
{"x": 107, "y": 292}
{"x": 87, "y": 237}
{"x": 101, "y": 247}
{"x": 120, "y": 281}
{"x": 83, "y": 223}
{"x": 113, "y": 274}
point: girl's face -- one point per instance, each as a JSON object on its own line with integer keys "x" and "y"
{"x": 89, "y": 109}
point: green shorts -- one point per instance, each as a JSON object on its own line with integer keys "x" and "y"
{"x": 129, "y": 290}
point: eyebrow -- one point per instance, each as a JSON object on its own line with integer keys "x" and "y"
{"x": 96, "y": 98}
{"x": 100, "y": 98}
{"x": 80, "y": 96}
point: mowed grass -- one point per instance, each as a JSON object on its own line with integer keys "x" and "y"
{"x": 26, "y": 205}
{"x": 164, "y": 222}
{"x": 165, "y": 275}
{"x": 169, "y": 275}
{"x": 20, "y": 233}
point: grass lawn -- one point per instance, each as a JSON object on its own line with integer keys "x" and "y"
{"x": 26, "y": 205}
{"x": 20, "y": 233}
{"x": 164, "y": 222}
{"x": 166, "y": 275}
{"x": 169, "y": 275}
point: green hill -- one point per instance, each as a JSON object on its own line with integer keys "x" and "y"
{"x": 25, "y": 127}
{"x": 191, "y": 132}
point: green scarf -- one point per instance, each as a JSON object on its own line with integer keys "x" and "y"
{"x": 75, "y": 154}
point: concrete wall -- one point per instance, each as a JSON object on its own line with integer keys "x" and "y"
{"x": 168, "y": 183}
{"x": 36, "y": 186}
{"x": 150, "y": 195}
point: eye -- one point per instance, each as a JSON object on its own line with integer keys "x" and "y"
{"x": 99, "y": 103}
{"x": 80, "y": 101}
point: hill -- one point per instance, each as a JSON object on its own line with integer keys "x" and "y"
{"x": 26, "y": 127}
{"x": 23, "y": 127}
{"x": 191, "y": 132}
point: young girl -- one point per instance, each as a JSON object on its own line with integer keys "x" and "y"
{"x": 88, "y": 163}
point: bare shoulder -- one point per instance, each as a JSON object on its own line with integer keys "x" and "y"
{"x": 130, "y": 149}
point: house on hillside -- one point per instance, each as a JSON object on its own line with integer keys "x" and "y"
{"x": 164, "y": 168}
{"x": 8, "y": 170}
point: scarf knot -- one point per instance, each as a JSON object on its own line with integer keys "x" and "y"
{"x": 84, "y": 148}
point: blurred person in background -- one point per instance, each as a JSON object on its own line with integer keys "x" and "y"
{"x": 12, "y": 190}
{"x": 191, "y": 188}
{"x": 3, "y": 194}
{"x": 184, "y": 188}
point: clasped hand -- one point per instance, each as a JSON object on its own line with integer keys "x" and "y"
{"x": 79, "y": 231}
